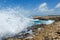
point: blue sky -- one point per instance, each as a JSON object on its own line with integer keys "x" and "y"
{"x": 28, "y": 4}
{"x": 35, "y": 5}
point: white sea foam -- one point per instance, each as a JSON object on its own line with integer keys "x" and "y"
{"x": 10, "y": 23}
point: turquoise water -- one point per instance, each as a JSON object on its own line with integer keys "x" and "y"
{"x": 43, "y": 21}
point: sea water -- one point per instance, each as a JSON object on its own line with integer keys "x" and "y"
{"x": 37, "y": 21}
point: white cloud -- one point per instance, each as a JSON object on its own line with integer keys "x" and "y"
{"x": 43, "y": 8}
{"x": 58, "y": 5}
{"x": 43, "y": 5}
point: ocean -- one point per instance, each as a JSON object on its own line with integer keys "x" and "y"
{"x": 43, "y": 21}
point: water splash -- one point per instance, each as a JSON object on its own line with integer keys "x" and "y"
{"x": 12, "y": 21}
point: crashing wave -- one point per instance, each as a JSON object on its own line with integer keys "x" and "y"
{"x": 11, "y": 24}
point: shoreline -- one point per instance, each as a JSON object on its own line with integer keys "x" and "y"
{"x": 48, "y": 32}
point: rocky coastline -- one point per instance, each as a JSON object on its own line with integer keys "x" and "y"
{"x": 42, "y": 31}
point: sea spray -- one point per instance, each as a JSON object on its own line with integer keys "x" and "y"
{"x": 12, "y": 21}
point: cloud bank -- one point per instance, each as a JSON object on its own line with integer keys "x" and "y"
{"x": 44, "y": 9}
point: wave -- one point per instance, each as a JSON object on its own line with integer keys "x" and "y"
{"x": 43, "y": 21}
{"x": 13, "y": 21}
